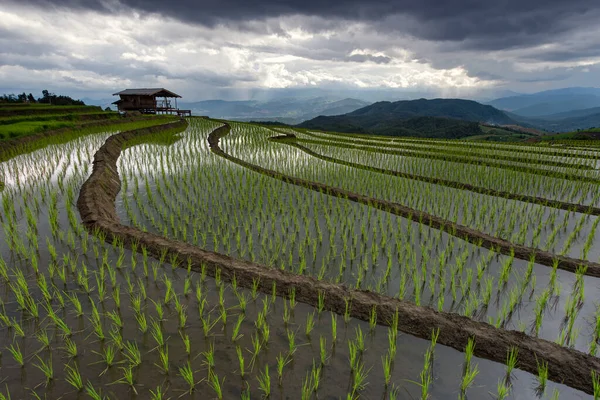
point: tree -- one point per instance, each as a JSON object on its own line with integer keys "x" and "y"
{"x": 30, "y": 98}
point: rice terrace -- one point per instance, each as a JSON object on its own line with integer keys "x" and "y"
{"x": 157, "y": 256}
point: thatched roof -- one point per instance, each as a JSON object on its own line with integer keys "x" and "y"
{"x": 157, "y": 92}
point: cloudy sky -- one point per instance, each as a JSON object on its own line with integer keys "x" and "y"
{"x": 234, "y": 49}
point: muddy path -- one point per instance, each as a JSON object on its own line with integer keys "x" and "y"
{"x": 458, "y": 159}
{"x": 96, "y": 204}
{"x": 470, "y": 235}
{"x": 292, "y": 141}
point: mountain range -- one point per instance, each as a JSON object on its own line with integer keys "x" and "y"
{"x": 440, "y": 118}
{"x": 287, "y": 110}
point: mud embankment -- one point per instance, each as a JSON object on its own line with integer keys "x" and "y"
{"x": 96, "y": 205}
{"x": 291, "y": 140}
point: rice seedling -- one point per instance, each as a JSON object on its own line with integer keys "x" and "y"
{"x": 157, "y": 394}
{"x": 209, "y": 356}
{"x": 542, "y": 376}
{"x": 45, "y": 368}
{"x": 73, "y": 377}
{"x": 70, "y": 348}
{"x": 127, "y": 378}
{"x": 132, "y": 353}
{"x": 16, "y": 353}
{"x": 91, "y": 391}
{"x": 187, "y": 373}
{"x": 310, "y": 324}
{"x": 264, "y": 382}
{"x": 241, "y": 361}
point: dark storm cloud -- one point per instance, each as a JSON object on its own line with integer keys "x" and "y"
{"x": 477, "y": 24}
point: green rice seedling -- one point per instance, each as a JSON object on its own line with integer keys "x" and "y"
{"x": 70, "y": 348}
{"x": 503, "y": 390}
{"x": 316, "y": 376}
{"x": 157, "y": 334}
{"x": 292, "y": 346}
{"x": 46, "y": 368}
{"x": 157, "y": 394}
{"x": 215, "y": 384}
{"x": 128, "y": 378}
{"x": 209, "y": 356}
{"x": 182, "y": 318}
{"x": 467, "y": 380}
{"x": 373, "y": 318}
{"x": 310, "y": 324}
{"x": 108, "y": 355}
{"x": 266, "y": 333}
{"x": 254, "y": 289}
{"x": 596, "y": 384}
{"x": 73, "y": 377}
{"x": 360, "y": 340}
{"x": 142, "y": 322}
{"x": 18, "y": 330}
{"x": 235, "y": 336}
{"x": 163, "y": 359}
{"x": 132, "y": 353}
{"x": 186, "y": 342}
{"x": 353, "y": 355}
{"x": 43, "y": 338}
{"x": 208, "y": 324}
{"x": 242, "y": 302}
{"x": 347, "y": 310}
{"x": 241, "y": 361}
{"x": 116, "y": 295}
{"x": 321, "y": 302}
{"x": 116, "y": 336}
{"x": 159, "y": 310}
{"x": 136, "y": 304}
{"x": 187, "y": 373}
{"x": 91, "y": 391}
{"x": 281, "y": 363}
{"x": 359, "y": 379}
{"x": 511, "y": 361}
{"x": 264, "y": 382}
{"x": 542, "y": 376}
{"x": 115, "y": 318}
{"x": 307, "y": 387}
{"x": 387, "y": 368}
{"x": 323, "y": 350}
{"x": 333, "y": 328}
{"x": 16, "y": 353}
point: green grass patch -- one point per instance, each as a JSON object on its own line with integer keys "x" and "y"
{"x": 11, "y": 131}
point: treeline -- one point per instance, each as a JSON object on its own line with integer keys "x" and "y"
{"x": 47, "y": 98}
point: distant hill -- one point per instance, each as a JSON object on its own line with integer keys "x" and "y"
{"x": 439, "y": 118}
{"x": 288, "y": 110}
{"x": 549, "y": 102}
